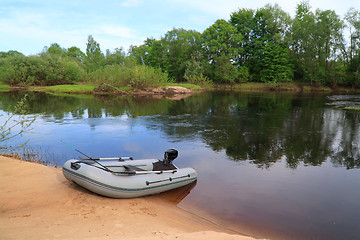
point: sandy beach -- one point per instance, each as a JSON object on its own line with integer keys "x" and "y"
{"x": 37, "y": 202}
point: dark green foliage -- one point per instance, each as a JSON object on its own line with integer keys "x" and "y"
{"x": 266, "y": 54}
{"x": 275, "y": 64}
{"x": 177, "y": 50}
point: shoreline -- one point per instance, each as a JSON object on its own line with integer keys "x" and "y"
{"x": 37, "y": 202}
{"x": 181, "y": 90}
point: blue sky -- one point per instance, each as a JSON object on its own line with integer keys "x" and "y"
{"x": 29, "y": 25}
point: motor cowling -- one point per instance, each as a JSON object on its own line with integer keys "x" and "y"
{"x": 170, "y": 155}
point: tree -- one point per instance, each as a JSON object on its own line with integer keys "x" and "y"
{"x": 222, "y": 47}
{"x": 316, "y": 41}
{"x": 303, "y": 41}
{"x": 172, "y": 53}
{"x": 94, "y": 56}
{"x": 115, "y": 58}
{"x": 352, "y": 18}
{"x": 266, "y": 33}
{"x": 275, "y": 64}
{"x": 243, "y": 21}
{"x": 55, "y": 49}
{"x": 10, "y": 54}
{"x": 75, "y": 53}
{"x": 224, "y": 71}
{"x": 181, "y": 46}
{"x": 221, "y": 39}
{"x": 155, "y": 53}
{"x": 329, "y": 38}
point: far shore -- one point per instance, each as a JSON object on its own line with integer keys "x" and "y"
{"x": 181, "y": 90}
{"x": 37, "y": 202}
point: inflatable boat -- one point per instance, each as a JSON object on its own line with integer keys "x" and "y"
{"x": 124, "y": 177}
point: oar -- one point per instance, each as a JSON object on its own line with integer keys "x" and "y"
{"x": 112, "y": 158}
{"x": 144, "y": 172}
{"x": 89, "y": 158}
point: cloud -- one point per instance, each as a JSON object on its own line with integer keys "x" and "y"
{"x": 117, "y": 31}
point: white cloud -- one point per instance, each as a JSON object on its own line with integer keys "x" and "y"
{"x": 117, "y": 31}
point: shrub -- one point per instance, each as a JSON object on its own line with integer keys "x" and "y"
{"x": 136, "y": 76}
{"x": 198, "y": 79}
{"x": 144, "y": 76}
{"x": 35, "y": 70}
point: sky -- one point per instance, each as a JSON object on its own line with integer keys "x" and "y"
{"x": 28, "y": 26}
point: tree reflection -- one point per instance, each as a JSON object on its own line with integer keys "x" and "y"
{"x": 262, "y": 129}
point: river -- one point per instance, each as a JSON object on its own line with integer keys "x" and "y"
{"x": 270, "y": 165}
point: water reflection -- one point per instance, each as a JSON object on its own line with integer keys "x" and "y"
{"x": 262, "y": 129}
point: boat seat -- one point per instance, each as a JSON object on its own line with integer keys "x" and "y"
{"x": 160, "y": 166}
{"x": 133, "y": 168}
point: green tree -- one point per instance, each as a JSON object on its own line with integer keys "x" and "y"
{"x": 114, "y": 58}
{"x": 329, "y": 39}
{"x": 75, "y": 53}
{"x": 181, "y": 47}
{"x": 224, "y": 71}
{"x": 265, "y": 31}
{"x": 139, "y": 54}
{"x": 221, "y": 44}
{"x": 303, "y": 42}
{"x": 352, "y": 55}
{"x": 244, "y": 22}
{"x": 317, "y": 39}
{"x": 154, "y": 53}
{"x": 55, "y": 49}
{"x": 275, "y": 64}
{"x": 172, "y": 53}
{"x": 94, "y": 57}
{"x": 221, "y": 39}
{"x": 10, "y": 53}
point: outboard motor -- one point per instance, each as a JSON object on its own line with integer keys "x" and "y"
{"x": 170, "y": 155}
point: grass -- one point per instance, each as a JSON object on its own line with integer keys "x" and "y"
{"x": 352, "y": 108}
{"x": 81, "y": 88}
{"x": 290, "y": 87}
{"x": 185, "y": 85}
{"x": 4, "y": 86}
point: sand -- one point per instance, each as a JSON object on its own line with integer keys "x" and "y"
{"x": 37, "y": 202}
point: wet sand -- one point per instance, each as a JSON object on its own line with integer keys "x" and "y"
{"x": 37, "y": 202}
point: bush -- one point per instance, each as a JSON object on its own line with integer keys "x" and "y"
{"x": 199, "y": 80}
{"x": 144, "y": 76}
{"x": 136, "y": 76}
{"x": 35, "y": 70}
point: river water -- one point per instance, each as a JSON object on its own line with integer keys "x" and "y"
{"x": 275, "y": 165}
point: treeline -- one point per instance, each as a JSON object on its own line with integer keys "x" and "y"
{"x": 56, "y": 65}
{"x": 263, "y": 45}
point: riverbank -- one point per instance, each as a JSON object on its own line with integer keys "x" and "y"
{"x": 37, "y": 202}
{"x": 184, "y": 89}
